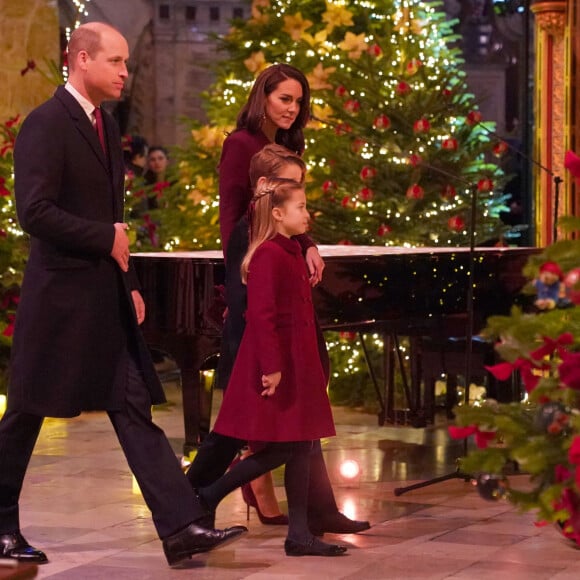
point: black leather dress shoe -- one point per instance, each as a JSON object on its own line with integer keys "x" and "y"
{"x": 194, "y": 539}
{"x": 14, "y": 546}
{"x": 313, "y": 548}
{"x": 337, "y": 524}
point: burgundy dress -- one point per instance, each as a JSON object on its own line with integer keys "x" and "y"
{"x": 281, "y": 336}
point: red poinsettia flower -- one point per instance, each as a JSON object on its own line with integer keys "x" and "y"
{"x": 4, "y": 192}
{"x": 9, "y": 330}
{"x": 482, "y": 438}
{"x": 569, "y": 370}
{"x": 160, "y": 187}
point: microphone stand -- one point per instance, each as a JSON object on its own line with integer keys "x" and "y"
{"x": 555, "y": 178}
{"x": 458, "y": 474}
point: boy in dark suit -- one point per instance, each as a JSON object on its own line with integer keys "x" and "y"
{"x": 77, "y": 344}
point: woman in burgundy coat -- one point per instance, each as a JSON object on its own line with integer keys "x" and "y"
{"x": 277, "y": 110}
{"x": 277, "y": 396}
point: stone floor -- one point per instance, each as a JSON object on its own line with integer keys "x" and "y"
{"x": 81, "y": 506}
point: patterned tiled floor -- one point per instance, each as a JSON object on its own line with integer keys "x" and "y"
{"x": 79, "y": 505}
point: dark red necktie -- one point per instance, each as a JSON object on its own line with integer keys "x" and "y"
{"x": 99, "y": 128}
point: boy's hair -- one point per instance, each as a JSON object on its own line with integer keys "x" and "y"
{"x": 273, "y": 193}
{"x": 270, "y": 160}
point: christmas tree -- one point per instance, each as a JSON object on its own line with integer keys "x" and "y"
{"x": 13, "y": 246}
{"x": 396, "y": 146}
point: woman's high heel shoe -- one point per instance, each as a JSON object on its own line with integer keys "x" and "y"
{"x": 250, "y": 500}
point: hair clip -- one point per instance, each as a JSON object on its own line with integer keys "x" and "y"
{"x": 262, "y": 194}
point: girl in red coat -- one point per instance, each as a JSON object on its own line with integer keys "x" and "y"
{"x": 277, "y": 396}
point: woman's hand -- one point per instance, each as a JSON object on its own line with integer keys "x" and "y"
{"x": 315, "y": 265}
{"x": 270, "y": 382}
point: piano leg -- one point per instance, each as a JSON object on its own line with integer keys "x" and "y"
{"x": 191, "y": 354}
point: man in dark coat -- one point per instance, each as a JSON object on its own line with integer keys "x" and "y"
{"x": 77, "y": 344}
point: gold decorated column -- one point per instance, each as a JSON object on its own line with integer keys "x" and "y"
{"x": 551, "y": 115}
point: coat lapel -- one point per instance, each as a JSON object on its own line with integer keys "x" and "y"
{"x": 82, "y": 124}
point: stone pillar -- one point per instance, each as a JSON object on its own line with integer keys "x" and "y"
{"x": 551, "y": 115}
{"x": 30, "y": 34}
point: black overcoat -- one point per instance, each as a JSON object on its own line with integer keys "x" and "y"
{"x": 75, "y": 318}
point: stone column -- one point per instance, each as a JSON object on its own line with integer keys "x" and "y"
{"x": 30, "y": 35}
{"x": 550, "y": 113}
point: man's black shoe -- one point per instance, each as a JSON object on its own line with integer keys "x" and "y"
{"x": 14, "y": 546}
{"x": 194, "y": 539}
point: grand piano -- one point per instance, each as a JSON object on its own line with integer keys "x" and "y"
{"x": 395, "y": 291}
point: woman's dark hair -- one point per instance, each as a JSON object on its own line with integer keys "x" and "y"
{"x": 158, "y": 148}
{"x": 134, "y": 145}
{"x": 252, "y": 113}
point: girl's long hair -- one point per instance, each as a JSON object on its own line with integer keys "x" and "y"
{"x": 273, "y": 193}
{"x": 252, "y": 113}
{"x": 270, "y": 160}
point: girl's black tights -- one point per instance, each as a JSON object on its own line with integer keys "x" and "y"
{"x": 296, "y": 456}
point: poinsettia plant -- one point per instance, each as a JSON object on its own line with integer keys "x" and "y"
{"x": 13, "y": 246}
{"x": 540, "y": 435}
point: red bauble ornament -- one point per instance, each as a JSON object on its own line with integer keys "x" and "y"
{"x": 473, "y": 118}
{"x": 352, "y": 106}
{"x": 500, "y": 148}
{"x": 329, "y": 186}
{"x": 346, "y": 201}
{"x": 375, "y": 50}
{"x": 383, "y": 230}
{"x": 403, "y": 88}
{"x": 344, "y": 243}
{"x": 450, "y": 144}
{"x": 367, "y": 173}
{"x": 341, "y": 91}
{"x": 347, "y": 335}
{"x": 456, "y": 223}
{"x": 449, "y": 192}
{"x": 358, "y": 145}
{"x": 413, "y": 66}
{"x": 415, "y": 191}
{"x": 415, "y": 160}
{"x": 447, "y": 93}
{"x": 366, "y": 194}
{"x": 381, "y": 122}
{"x": 343, "y": 129}
{"x": 485, "y": 185}
{"x": 572, "y": 282}
{"x": 421, "y": 126}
